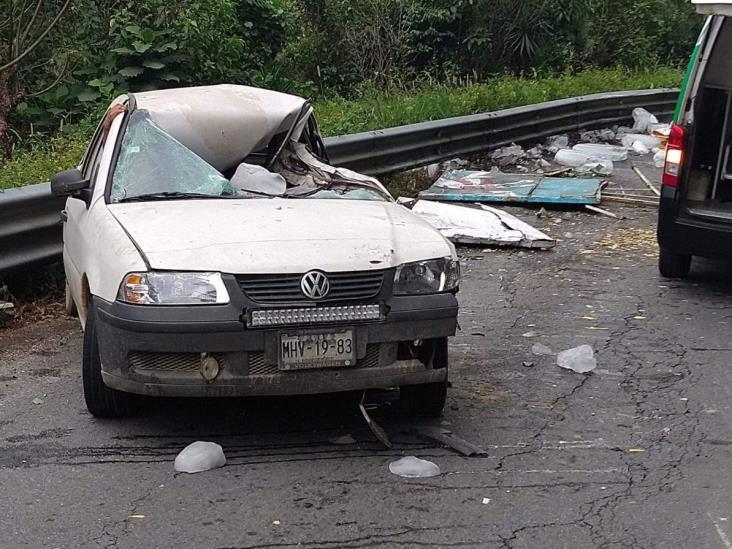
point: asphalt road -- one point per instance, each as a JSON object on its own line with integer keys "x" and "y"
{"x": 634, "y": 454}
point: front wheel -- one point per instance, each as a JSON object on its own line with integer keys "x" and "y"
{"x": 101, "y": 401}
{"x": 427, "y": 399}
{"x": 673, "y": 265}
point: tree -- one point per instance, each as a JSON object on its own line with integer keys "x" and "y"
{"x": 23, "y": 27}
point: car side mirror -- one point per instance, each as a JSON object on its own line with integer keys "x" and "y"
{"x": 69, "y": 183}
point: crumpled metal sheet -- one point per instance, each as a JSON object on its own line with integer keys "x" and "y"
{"x": 223, "y": 123}
{"x": 480, "y": 225}
{"x": 496, "y": 186}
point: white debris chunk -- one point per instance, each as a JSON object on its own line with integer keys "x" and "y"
{"x": 642, "y": 119}
{"x": 200, "y": 456}
{"x": 413, "y": 467}
{"x": 596, "y": 166}
{"x": 541, "y": 350}
{"x": 659, "y": 158}
{"x": 480, "y": 225}
{"x": 649, "y": 141}
{"x": 578, "y": 359}
{"x": 603, "y": 151}
{"x": 639, "y": 148}
{"x": 258, "y": 179}
{"x": 571, "y": 158}
{"x": 433, "y": 170}
{"x": 584, "y": 163}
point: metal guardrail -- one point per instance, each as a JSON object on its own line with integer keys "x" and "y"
{"x": 30, "y": 228}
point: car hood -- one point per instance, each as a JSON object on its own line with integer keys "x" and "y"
{"x": 278, "y": 235}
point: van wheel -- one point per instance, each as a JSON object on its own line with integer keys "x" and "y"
{"x": 427, "y": 399}
{"x": 673, "y": 265}
{"x": 101, "y": 401}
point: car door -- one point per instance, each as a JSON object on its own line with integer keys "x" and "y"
{"x": 74, "y": 217}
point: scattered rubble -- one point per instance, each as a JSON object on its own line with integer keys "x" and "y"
{"x": 413, "y": 467}
{"x": 506, "y": 156}
{"x": 557, "y": 142}
{"x": 200, "y": 456}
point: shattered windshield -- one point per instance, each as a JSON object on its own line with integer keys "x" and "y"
{"x": 151, "y": 161}
{"x": 153, "y": 165}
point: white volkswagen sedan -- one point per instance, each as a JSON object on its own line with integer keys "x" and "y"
{"x": 210, "y": 250}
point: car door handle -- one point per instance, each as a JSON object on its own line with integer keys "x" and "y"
{"x": 64, "y": 216}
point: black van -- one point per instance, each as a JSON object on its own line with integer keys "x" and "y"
{"x": 695, "y": 214}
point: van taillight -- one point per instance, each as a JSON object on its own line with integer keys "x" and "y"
{"x": 674, "y": 156}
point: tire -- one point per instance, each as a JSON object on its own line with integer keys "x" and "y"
{"x": 69, "y": 304}
{"x": 427, "y": 399}
{"x": 101, "y": 401}
{"x": 673, "y": 265}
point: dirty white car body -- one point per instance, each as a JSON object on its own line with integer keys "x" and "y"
{"x": 210, "y": 250}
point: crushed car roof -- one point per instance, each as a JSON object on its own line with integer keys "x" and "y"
{"x": 224, "y": 123}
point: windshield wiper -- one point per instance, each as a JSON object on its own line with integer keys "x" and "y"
{"x": 171, "y": 194}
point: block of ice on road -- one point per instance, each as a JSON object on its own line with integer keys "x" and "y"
{"x": 596, "y": 166}
{"x": 578, "y": 359}
{"x": 642, "y": 120}
{"x": 638, "y": 147}
{"x": 649, "y": 141}
{"x": 413, "y": 467}
{"x": 541, "y": 349}
{"x": 200, "y": 456}
{"x": 601, "y": 150}
{"x": 571, "y": 158}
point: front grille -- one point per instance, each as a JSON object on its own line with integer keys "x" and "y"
{"x": 286, "y": 288}
{"x": 167, "y": 362}
{"x": 258, "y": 367}
{"x": 372, "y": 358}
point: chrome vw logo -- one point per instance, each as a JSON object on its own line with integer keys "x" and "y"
{"x": 315, "y": 285}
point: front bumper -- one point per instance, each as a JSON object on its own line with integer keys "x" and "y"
{"x": 157, "y": 350}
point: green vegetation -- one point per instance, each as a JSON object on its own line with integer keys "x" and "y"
{"x": 379, "y": 110}
{"x": 367, "y": 64}
{"x": 384, "y": 110}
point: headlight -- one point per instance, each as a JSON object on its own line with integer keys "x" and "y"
{"x": 427, "y": 277}
{"x": 170, "y": 288}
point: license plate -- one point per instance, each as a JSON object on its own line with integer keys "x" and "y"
{"x": 317, "y": 350}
